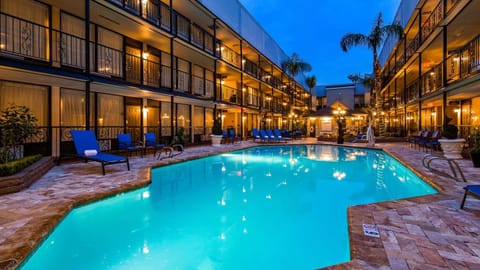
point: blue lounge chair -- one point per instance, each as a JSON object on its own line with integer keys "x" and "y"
{"x": 125, "y": 143}
{"x": 87, "y": 148}
{"x": 279, "y": 136}
{"x": 270, "y": 135}
{"x": 263, "y": 136}
{"x": 255, "y": 134}
{"x": 151, "y": 142}
{"x": 472, "y": 190}
{"x": 232, "y": 136}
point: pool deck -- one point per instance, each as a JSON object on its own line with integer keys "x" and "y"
{"x": 428, "y": 232}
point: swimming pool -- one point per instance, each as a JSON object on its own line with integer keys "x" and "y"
{"x": 271, "y": 207}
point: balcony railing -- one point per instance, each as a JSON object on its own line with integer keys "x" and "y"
{"x": 432, "y": 21}
{"x": 182, "y": 27}
{"x": 251, "y": 100}
{"x": 412, "y": 91}
{"x": 229, "y": 94}
{"x": 465, "y": 61}
{"x": 24, "y": 38}
{"x": 451, "y": 4}
{"x": 183, "y": 82}
{"x": 228, "y": 55}
{"x": 432, "y": 80}
{"x": 250, "y": 68}
{"x": 412, "y": 46}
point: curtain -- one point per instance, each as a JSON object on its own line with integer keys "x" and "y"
{"x": 165, "y": 118}
{"x": 183, "y": 116}
{"x": 27, "y": 36}
{"x": 198, "y": 117}
{"x": 34, "y": 97}
{"x": 110, "y": 60}
{"x": 27, "y": 9}
{"x": 72, "y": 43}
{"x": 72, "y": 108}
{"x": 153, "y": 113}
{"x": 110, "y": 110}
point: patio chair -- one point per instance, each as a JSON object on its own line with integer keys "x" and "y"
{"x": 232, "y": 136}
{"x": 472, "y": 190}
{"x": 255, "y": 134}
{"x": 87, "y": 149}
{"x": 432, "y": 142}
{"x": 278, "y": 135}
{"x": 263, "y": 136}
{"x": 151, "y": 142}
{"x": 125, "y": 143}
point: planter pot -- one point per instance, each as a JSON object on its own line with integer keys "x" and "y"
{"x": 475, "y": 159}
{"x": 452, "y": 148}
{"x": 216, "y": 139}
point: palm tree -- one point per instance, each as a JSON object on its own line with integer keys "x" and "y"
{"x": 311, "y": 82}
{"x": 373, "y": 41}
{"x": 366, "y": 80}
{"x": 294, "y": 66}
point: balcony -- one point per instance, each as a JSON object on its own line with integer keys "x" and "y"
{"x": 464, "y": 62}
{"x": 432, "y": 21}
{"x": 432, "y": 80}
{"x": 229, "y": 94}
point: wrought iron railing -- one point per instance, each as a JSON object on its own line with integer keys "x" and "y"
{"x": 432, "y": 80}
{"x": 432, "y": 21}
{"x": 24, "y": 38}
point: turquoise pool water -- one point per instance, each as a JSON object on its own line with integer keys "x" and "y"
{"x": 281, "y": 207}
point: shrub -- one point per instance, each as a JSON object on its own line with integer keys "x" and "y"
{"x": 15, "y": 166}
{"x": 449, "y": 131}
{"x": 16, "y": 125}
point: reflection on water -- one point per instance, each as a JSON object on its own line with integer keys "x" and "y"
{"x": 282, "y": 207}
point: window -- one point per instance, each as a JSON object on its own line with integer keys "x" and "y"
{"x": 35, "y": 97}
{"x": 72, "y": 108}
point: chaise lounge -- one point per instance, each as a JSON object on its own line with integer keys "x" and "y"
{"x": 472, "y": 190}
{"x": 87, "y": 148}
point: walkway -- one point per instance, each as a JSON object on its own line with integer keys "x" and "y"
{"x": 429, "y": 232}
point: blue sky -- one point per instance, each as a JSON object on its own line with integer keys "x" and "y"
{"x": 314, "y": 28}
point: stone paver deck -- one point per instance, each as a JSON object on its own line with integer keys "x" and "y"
{"x": 428, "y": 232}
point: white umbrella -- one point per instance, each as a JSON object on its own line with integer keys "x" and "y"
{"x": 370, "y": 136}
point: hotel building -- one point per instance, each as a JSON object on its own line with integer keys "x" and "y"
{"x": 137, "y": 66}
{"x": 433, "y": 72}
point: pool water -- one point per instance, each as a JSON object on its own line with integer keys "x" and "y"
{"x": 279, "y": 207}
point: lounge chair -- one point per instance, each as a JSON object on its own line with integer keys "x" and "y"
{"x": 232, "y": 136}
{"x": 87, "y": 148}
{"x": 270, "y": 135}
{"x": 255, "y": 134}
{"x": 263, "y": 136}
{"x": 279, "y": 136}
{"x": 125, "y": 143}
{"x": 151, "y": 142}
{"x": 472, "y": 190}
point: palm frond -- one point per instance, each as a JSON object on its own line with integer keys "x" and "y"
{"x": 311, "y": 81}
{"x": 351, "y": 40}
{"x": 394, "y": 29}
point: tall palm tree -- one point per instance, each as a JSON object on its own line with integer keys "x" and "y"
{"x": 311, "y": 82}
{"x": 373, "y": 41}
{"x": 294, "y": 66}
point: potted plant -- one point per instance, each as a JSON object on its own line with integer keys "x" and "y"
{"x": 180, "y": 137}
{"x": 451, "y": 145}
{"x": 217, "y": 132}
{"x": 475, "y": 150}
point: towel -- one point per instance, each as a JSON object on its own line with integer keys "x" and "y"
{"x": 88, "y": 152}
